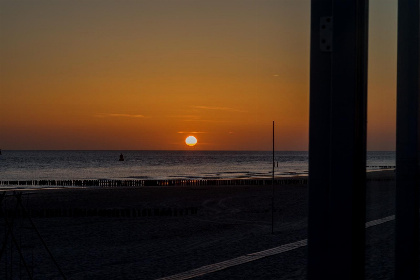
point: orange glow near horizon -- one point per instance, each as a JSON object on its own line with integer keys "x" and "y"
{"x": 143, "y": 75}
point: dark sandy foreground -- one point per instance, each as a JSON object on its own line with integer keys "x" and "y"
{"x": 230, "y": 222}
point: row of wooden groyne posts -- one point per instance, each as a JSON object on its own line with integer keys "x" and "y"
{"x": 151, "y": 183}
{"x": 146, "y": 183}
{"x": 100, "y": 212}
{"x": 381, "y": 166}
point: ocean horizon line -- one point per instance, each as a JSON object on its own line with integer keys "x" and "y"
{"x": 184, "y": 150}
{"x": 160, "y": 164}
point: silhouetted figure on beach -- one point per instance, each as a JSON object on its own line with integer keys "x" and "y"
{"x": 121, "y": 157}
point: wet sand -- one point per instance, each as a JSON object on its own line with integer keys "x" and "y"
{"x": 231, "y": 221}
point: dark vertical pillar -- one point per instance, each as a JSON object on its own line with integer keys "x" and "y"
{"x": 348, "y": 139}
{"x": 408, "y": 142}
{"x": 319, "y": 137}
{"x": 337, "y": 146}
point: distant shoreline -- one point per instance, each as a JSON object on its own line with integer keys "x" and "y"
{"x": 161, "y": 165}
{"x": 301, "y": 179}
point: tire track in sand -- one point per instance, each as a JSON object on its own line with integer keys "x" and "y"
{"x": 255, "y": 256}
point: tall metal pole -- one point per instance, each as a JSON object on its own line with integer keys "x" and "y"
{"x": 272, "y": 186}
{"x": 408, "y": 142}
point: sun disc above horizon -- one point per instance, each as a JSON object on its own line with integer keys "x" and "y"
{"x": 191, "y": 141}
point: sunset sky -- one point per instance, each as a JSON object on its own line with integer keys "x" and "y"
{"x": 146, "y": 74}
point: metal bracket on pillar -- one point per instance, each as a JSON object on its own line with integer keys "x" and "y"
{"x": 326, "y": 34}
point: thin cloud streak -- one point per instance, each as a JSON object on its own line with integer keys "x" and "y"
{"x": 218, "y": 108}
{"x": 185, "y": 117}
{"x": 210, "y": 121}
{"x": 191, "y": 132}
{"x": 195, "y": 118}
{"x": 133, "y": 116}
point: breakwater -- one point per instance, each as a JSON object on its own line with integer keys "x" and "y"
{"x": 380, "y": 166}
{"x": 151, "y": 183}
{"x": 179, "y": 182}
{"x": 99, "y": 212}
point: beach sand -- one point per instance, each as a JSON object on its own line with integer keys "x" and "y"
{"x": 230, "y": 221}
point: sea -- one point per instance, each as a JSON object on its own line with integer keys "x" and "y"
{"x": 162, "y": 165}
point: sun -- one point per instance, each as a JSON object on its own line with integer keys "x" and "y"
{"x": 191, "y": 141}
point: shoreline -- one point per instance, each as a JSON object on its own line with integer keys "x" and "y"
{"x": 10, "y": 185}
{"x": 148, "y": 200}
{"x": 231, "y": 221}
